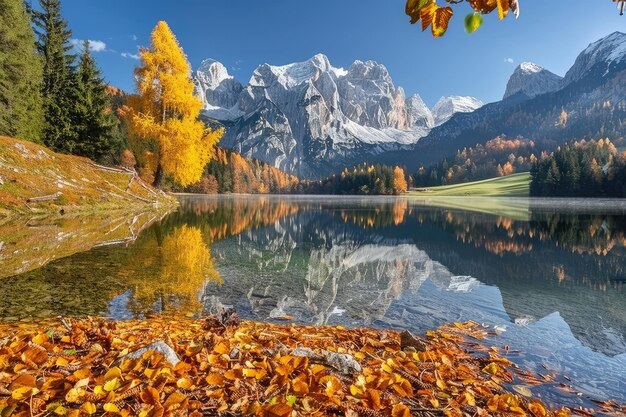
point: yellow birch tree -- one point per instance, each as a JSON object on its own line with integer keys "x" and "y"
{"x": 165, "y": 111}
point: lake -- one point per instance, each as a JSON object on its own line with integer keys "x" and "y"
{"x": 549, "y": 275}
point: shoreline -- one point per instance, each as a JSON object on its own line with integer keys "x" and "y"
{"x": 37, "y": 182}
{"x": 220, "y": 365}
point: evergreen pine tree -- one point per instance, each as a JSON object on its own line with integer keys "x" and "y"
{"x": 58, "y": 88}
{"x": 96, "y": 125}
{"x": 21, "y": 113}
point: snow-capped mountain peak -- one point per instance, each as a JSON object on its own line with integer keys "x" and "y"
{"x": 292, "y": 75}
{"x": 606, "y": 54}
{"x": 531, "y": 80}
{"x": 529, "y": 68}
{"x": 218, "y": 90}
{"x": 213, "y": 72}
{"x": 311, "y": 118}
{"x": 447, "y": 107}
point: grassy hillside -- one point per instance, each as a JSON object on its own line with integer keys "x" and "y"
{"x": 34, "y": 180}
{"x": 516, "y": 185}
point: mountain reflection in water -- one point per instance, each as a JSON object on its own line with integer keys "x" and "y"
{"x": 553, "y": 278}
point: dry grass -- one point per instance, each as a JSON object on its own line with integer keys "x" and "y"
{"x": 28, "y": 170}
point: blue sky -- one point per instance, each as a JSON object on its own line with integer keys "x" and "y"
{"x": 243, "y": 34}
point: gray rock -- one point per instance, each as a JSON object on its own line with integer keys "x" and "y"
{"x": 159, "y": 346}
{"x": 408, "y": 341}
{"x": 342, "y": 362}
{"x": 305, "y": 353}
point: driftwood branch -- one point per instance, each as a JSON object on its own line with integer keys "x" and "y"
{"x": 115, "y": 242}
{"x": 111, "y": 169}
{"x": 44, "y": 198}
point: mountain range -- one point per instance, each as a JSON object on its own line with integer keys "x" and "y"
{"x": 313, "y": 119}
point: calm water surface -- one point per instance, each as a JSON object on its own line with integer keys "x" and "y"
{"x": 550, "y": 276}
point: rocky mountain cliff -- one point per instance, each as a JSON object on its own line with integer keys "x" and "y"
{"x": 601, "y": 57}
{"x": 447, "y": 107}
{"x": 590, "y": 102}
{"x": 532, "y": 80}
{"x": 312, "y": 119}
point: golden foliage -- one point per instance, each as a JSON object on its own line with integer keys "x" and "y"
{"x": 165, "y": 110}
{"x": 399, "y": 180}
{"x": 437, "y": 17}
{"x": 247, "y": 368}
{"x": 185, "y": 265}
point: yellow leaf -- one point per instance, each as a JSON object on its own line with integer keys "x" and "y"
{"x": 355, "y": 391}
{"x": 60, "y": 411}
{"x": 74, "y": 395}
{"x": 503, "y": 8}
{"x": 112, "y": 385}
{"x": 111, "y": 408}
{"x": 22, "y": 393}
{"x": 88, "y": 408}
{"x": 387, "y": 368}
{"x": 114, "y": 372}
{"x": 61, "y": 361}
{"x": 441, "y": 384}
{"x": 427, "y": 13}
{"x": 467, "y": 398}
{"x": 492, "y": 368}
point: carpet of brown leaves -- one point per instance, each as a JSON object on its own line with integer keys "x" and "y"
{"x": 81, "y": 367}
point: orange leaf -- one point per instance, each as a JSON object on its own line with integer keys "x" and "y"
{"x": 215, "y": 379}
{"x": 440, "y": 21}
{"x": 537, "y": 409}
{"x": 279, "y": 410}
{"x": 24, "y": 380}
{"x": 150, "y": 396}
{"x": 299, "y": 387}
{"x": 374, "y": 398}
{"x": 400, "y": 410}
{"x": 426, "y": 15}
{"x": 483, "y": 6}
{"x": 184, "y": 383}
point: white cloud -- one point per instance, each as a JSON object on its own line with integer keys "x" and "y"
{"x": 509, "y": 60}
{"x": 134, "y": 37}
{"x": 129, "y": 55}
{"x": 94, "y": 45}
